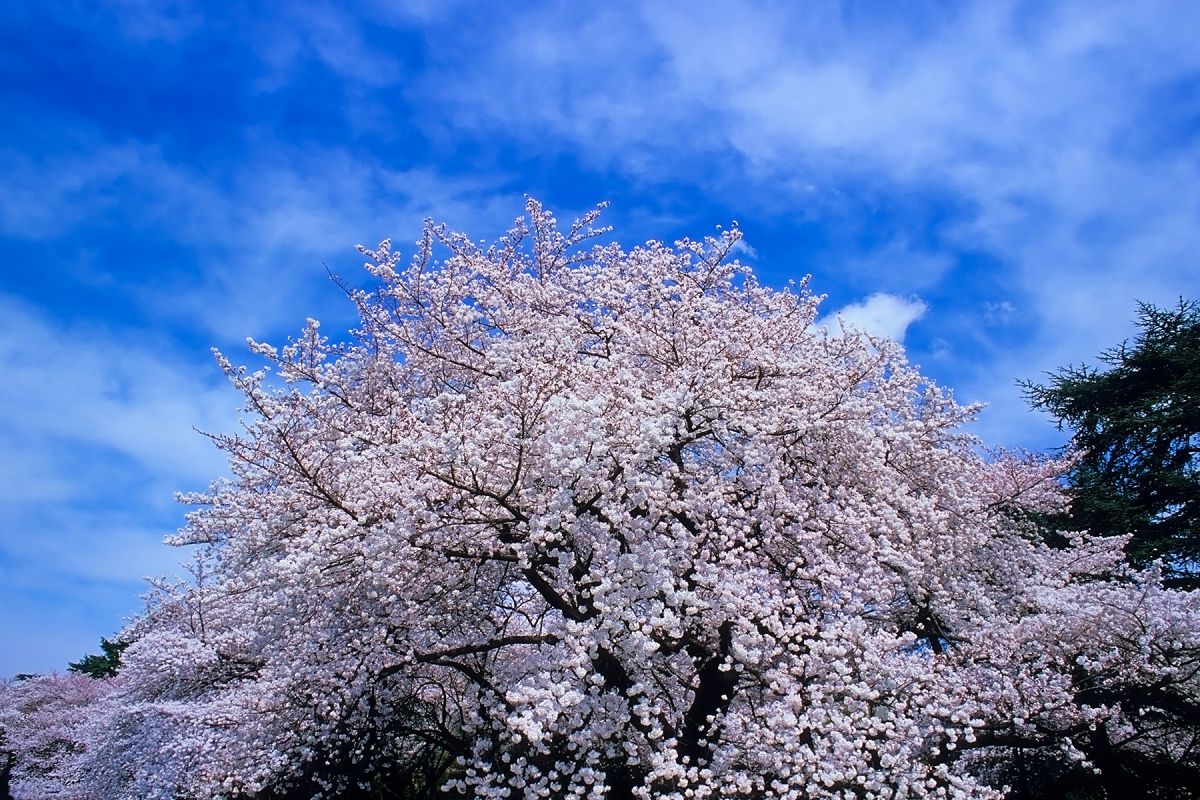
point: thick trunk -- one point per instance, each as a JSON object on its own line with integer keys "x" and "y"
{"x": 714, "y": 693}
{"x": 7, "y": 761}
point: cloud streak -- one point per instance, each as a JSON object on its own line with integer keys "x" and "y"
{"x": 1039, "y": 126}
{"x": 880, "y": 314}
{"x": 97, "y": 436}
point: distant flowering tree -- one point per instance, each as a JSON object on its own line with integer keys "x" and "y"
{"x": 574, "y": 522}
{"x": 44, "y": 733}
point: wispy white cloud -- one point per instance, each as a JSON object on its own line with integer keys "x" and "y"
{"x": 999, "y": 312}
{"x": 880, "y": 314}
{"x": 96, "y": 437}
{"x": 42, "y": 196}
{"x": 111, "y": 389}
{"x": 144, "y": 21}
{"x": 1040, "y": 123}
{"x": 258, "y": 244}
{"x": 897, "y": 265}
{"x": 300, "y": 217}
{"x": 322, "y": 31}
{"x": 744, "y": 249}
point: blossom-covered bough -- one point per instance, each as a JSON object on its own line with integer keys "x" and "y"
{"x": 567, "y": 521}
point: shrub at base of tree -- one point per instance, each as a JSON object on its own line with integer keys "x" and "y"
{"x": 572, "y": 522}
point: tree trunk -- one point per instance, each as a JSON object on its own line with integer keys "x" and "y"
{"x": 7, "y": 761}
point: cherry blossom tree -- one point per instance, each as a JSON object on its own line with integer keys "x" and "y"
{"x": 568, "y": 521}
{"x": 44, "y": 733}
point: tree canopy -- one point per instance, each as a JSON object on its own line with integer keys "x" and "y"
{"x": 1135, "y": 424}
{"x": 564, "y": 521}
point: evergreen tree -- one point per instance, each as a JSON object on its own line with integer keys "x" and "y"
{"x": 1136, "y": 425}
{"x": 100, "y": 666}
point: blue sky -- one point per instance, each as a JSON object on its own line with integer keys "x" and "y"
{"x": 997, "y": 183}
